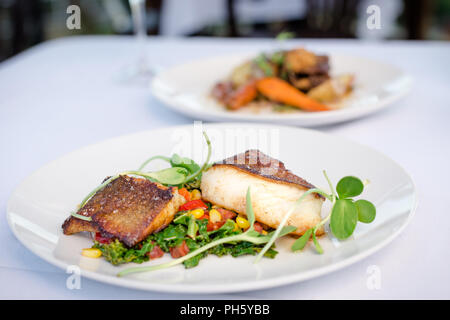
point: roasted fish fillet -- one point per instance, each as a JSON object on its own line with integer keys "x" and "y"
{"x": 128, "y": 209}
{"x": 274, "y": 190}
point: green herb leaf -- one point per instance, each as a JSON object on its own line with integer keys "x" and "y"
{"x": 249, "y": 209}
{"x": 316, "y": 243}
{"x": 170, "y": 176}
{"x": 253, "y": 233}
{"x": 301, "y": 242}
{"x": 344, "y": 217}
{"x": 366, "y": 211}
{"x": 182, "y": 218}
{"x": 189, "y": 164}
{"x": 349, "y": 187}
{"x": 192, "y": 227}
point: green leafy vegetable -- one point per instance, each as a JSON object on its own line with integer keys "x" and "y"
{"x": 170, "y": 176}
{"x": 249, "y": 209}
{"x": 301, "y": 242}
{"x": 116, "y": 252}
{"x": 192, "y": 227}
{"x": 316, "y": 243}
{"x": 189, "y": 164}
{"x": 349, "y": 187}
{"x": 344, "y": 217}
{"x": 366, "y": 211}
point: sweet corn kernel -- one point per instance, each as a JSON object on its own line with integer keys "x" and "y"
{"x": 91, "y": 253}
{"x": 197, "y": 213}
{"x": 196, "y": 194}
{"x": 264, "y": 232}
{"x": 236, "y": 227}
{"x": 242, "y": 223}
{"x": 214, "y": 216}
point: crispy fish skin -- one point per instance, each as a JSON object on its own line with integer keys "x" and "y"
{"x": 129, "y": 209}
{"x": 274, "y": 190}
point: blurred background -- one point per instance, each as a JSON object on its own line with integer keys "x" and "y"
{"x": 24, "y": 23}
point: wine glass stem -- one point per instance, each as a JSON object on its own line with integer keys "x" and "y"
{"x": 138, "y": 13}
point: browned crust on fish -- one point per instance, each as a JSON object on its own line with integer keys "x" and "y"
{"x": 128, "y": 209}
{"x": 259, "y": 164}
{"x": 73, "y": 225}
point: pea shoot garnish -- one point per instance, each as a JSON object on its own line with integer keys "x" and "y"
{"x": 343, "y": 217}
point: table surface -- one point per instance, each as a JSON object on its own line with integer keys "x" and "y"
{"x": 61, "y": 95}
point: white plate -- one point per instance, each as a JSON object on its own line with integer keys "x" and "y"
{"x": 186, "y": 89}
{"x": 42, "y": 202}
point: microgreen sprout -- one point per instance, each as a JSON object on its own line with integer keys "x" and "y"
{"x": 343, "y": 217}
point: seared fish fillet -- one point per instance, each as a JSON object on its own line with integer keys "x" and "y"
{"x": 128, "y": 209}
{"x": 274, "y": 190}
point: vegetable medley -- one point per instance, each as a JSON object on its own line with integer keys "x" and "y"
{"x": 287, "y": 80}
{"x": 196, "y": 224}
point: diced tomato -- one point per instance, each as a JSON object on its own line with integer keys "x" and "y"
{"x": 102, "y": 239}
{"x": 185, "y": 193}
{"x": 194, "y": 204}
{"x": 258, "y": 227}
{"x": 180, "y": 250}
{"x": 211, "y": 226}
{"x": 226, "y": 214}
{"x": 155, "y": 253}
{"x": 205, "y": 216}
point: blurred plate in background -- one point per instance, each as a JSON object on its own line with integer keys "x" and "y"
{"x": 186, "y": 89}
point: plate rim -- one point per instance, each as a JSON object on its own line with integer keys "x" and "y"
{"x": 302, "y": 119}
{"x": 214, "y": 288}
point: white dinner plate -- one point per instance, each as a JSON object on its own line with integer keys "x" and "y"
{"x": 45, "y": 199}
{"x": 186, "y": 89}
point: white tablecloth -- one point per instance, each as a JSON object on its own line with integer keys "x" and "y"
{"x": 61, "y": 95}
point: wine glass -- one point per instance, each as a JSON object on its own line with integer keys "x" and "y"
{"x": 139, "y": 71}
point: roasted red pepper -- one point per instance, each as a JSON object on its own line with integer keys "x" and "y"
{"x": 194, "y": 204}
{"x": 102, "y": 239}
